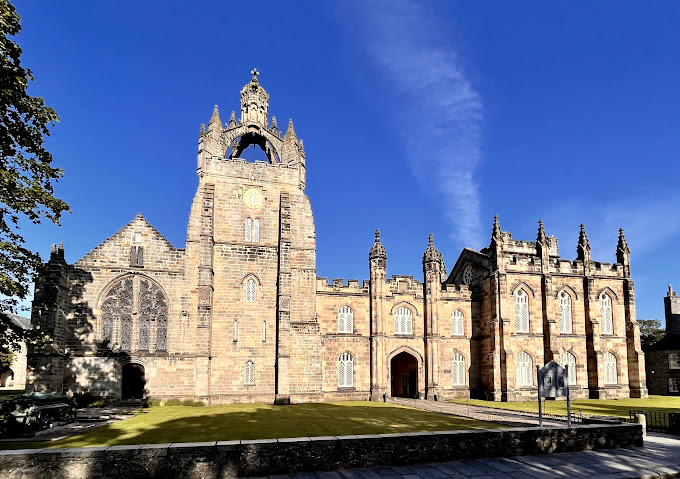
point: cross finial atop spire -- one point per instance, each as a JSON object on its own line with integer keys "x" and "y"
{"x": 254, "y": 73}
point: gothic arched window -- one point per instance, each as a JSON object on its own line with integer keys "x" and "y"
{"x": 249, "y": 374}
{"x": 521, "y": 311}
{"x": 610, "y": 372}
{"x": 345, "y": 371}
{"x": 606, "y": 314}
{"x": 134, "y": 294}
{"x": 457, "y": 323}
{"x": 458, "y": 370}
{"x": 403, "y": 321}
{"x": 525, "y": 367}
{"x": 345, "y": 320}
{"x": 251, "y": 290}
{"x": 565, "y": 313}
{"x": 568, "y": 359}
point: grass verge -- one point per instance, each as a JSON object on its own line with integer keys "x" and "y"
{"x": 599, "y": 407}
{"x": 258, "y": 421}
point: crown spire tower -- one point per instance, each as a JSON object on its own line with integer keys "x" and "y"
{"x": 254, "y": 102}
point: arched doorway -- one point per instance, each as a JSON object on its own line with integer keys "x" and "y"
{"x": 133, "y": 381}
{"x": 404, "y": 372}
{"x": 7, "y": 378}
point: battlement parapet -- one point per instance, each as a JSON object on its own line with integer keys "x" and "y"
{"x": 339, "y": 285}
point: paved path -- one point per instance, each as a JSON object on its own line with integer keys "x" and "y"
{"x": 660, "y": 457}
{"x": 509, "y": 418}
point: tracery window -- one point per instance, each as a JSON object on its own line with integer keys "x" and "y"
{"x": 610, "y": 372}
{"x": 403, "y": 321}
{"x": 565, "y": 313}
{"x": 249, "y": 374}
{"x": 345, "y": 371}
{"x": 521, "y": 311}
{"x": 457, "y": 323}
{"x": 458, "y": 370}
{"x": 256, "y": 230}
{"x": 568, "y": 359}
{"x": 606, "y": 314}
{"x": 144, "y": 297}
{"x": 251, "y": 290}
{"x": 345, "y": 320}
{"x": 525, "y": 366}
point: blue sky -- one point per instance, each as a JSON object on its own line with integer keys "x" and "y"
{"x": 417, "y": 118}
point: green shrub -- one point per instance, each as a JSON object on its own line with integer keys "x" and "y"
{"x": 151, "y": 402}
{"x": 173, "y": 402}
{"x": 192, "y": 403}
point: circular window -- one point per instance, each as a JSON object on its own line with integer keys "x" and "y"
{"x": 467, "y": 274}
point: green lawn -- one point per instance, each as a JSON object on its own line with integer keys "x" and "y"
{"x": 257, "y": 421}
{"x": 600, "y": 407}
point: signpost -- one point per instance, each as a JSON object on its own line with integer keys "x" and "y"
{"x": 553, "y": 381}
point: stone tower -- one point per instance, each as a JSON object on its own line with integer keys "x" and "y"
{"x": 672, "y": 308}
{"x": 252, "y": 258}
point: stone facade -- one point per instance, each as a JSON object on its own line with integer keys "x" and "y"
{"x": 240, "y": 316}
{"x": 663, "y": 357}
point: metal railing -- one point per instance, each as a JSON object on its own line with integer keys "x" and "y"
{"x": 659, "y": 421}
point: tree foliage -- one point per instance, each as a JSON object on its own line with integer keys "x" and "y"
{"x": 650, "y": 332}
{"x": 6, "y": 358}
{"x": 26, "y": 171}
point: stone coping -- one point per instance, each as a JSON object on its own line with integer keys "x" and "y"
{"x": 262, "y": 457}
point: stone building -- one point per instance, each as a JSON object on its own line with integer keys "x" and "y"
{"x": 663, "y": 357}
{"x": 239, "y": 315}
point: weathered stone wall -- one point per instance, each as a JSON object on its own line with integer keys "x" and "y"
{"x": 659, "y": 372}
{"x": 264, "y": 457}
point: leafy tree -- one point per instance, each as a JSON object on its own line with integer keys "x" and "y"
{"x": 6, "y": 358}
{"x": 650, "y": 332}
{"x": 26, "y": 174}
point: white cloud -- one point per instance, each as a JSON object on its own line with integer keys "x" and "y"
{"x": 438, "y": 110}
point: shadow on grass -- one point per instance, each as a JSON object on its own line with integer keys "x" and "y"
{"x": 257, "y": 421}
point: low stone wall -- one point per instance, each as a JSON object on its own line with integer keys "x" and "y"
{"x": 213, "y": 460}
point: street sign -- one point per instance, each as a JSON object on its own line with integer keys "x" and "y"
{"x": 553, "y": 382}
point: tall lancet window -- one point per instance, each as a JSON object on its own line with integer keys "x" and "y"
{"x": 345, "y": 371}
{"x": 610, "y": 372}
{"x": 565, "y": 313}
{"x": 606, "y": 314}
{"x": 345, "y": 320}
{"x": 521, "y": 311}
{"x": 568, "y": 359}
{"x": 457, "y": 323}
{"x": 249, "y": 229}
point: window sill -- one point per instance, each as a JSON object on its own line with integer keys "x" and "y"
{"x": 346, "y": 389}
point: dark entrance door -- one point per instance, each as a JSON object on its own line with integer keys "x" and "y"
{"x": 404, "y": 368}
{"x": 133, "y": 381}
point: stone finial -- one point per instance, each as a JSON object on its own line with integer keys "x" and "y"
{"x": 275, "y": 127}
{"x": 377, "y": 250}
{"x": 290, "y": 132}
{"x": 202, "y": 132}
{"x": 431, "y": 254}
{"x": 232, "y": 118}
{"x": 496, "y": 232}
{"x": 670, "y": 290}
{"x": 623, "y": 253}
{"x": 215, "y": 125}
{"x": 583, "y": 248}
{"x": 255, "y": 74}
{"x": 302, "y": 147}
{"x": 541, "y": 238}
